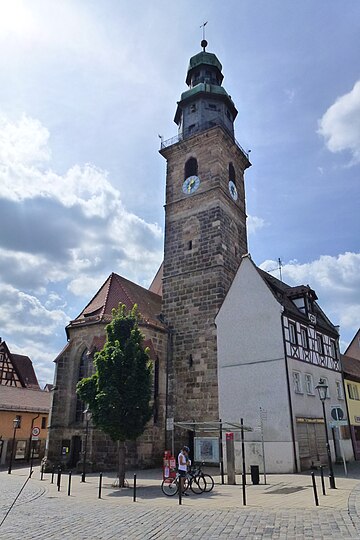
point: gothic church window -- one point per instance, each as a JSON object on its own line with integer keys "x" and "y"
{"x": 191, "y": 167}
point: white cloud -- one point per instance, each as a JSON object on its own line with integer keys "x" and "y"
{"x": 60, "y": 237}
{"x": 254, "y": 224}
{"x": 23, "y": 142}
{"x": 340, "y": 125}
{"x": 336, "y": 281}
{"x": 22, "y": 313}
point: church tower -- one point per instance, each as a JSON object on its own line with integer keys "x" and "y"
{"x": 205, "y": 234}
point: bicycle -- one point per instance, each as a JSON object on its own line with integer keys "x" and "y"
{"x": 205, "y": 480}
{"x": 170, "y": 486}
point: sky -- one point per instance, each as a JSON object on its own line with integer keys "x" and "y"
{"x": 87, "y": 87}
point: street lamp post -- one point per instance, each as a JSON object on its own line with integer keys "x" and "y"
{"x": 87, "y": 415}
{"x": 322, "y": 389}
{"x": 16, "y": 423}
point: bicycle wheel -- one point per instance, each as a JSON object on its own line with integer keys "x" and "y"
{"x": 169, "y": 486}
{"x": 209, "y": 482}
{"x": 198, "y": 485}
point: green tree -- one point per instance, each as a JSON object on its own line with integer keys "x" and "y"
{"x": 119, "y": 393}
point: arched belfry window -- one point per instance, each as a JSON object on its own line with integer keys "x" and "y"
{"x": 232, "y": 175}
{"x": 191, "y": 167}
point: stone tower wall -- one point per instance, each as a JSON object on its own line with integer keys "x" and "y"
{"x": 205, "y": 237}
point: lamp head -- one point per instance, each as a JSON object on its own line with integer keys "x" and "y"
{"x": 16, "y": 423}
{"x": 87, "y": 415}
{"x": 322, "y": 389}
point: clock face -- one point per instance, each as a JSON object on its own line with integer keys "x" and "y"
{"x": 233, "y": 190}
{"x": 190, "y": 184}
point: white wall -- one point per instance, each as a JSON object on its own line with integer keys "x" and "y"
{"x": 251, "y": 367}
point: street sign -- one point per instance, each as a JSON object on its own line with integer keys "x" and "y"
{"x": 337, "y": 423}
{"x": 170, "y": 424}
{"x": 337, "y": 413}
{"x": 35, "y": 432}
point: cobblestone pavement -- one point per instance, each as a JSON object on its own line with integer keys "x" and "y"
{"x": 44, "y": 513}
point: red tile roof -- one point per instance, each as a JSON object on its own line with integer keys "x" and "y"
{"x": 114, "y": 291}
{"x": 24, "y": 366}
{"x": 351, "y": 367}
{"x": 24, "y": 399}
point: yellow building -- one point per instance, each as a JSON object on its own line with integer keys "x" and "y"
{"x": 23, "y": 407}
{"x": 351, "y": 368}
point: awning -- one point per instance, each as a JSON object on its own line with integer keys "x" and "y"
{"x": 211, "y": 426}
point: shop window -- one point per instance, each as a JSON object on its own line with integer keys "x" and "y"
{"x": 20, "y": 449}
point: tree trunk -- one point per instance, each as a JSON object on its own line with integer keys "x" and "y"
{"x": 121, "y": 463}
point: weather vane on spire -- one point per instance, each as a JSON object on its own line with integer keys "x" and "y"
{"x": 204, "y": 42}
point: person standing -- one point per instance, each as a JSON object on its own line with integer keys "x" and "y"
{"x": 183, "y": 459}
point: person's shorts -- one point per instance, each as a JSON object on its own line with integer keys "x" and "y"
{"x": 182, "y": 474}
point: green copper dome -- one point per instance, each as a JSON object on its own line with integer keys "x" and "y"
{"x": 204, "y": 57}
{"x": 200, "y": 59}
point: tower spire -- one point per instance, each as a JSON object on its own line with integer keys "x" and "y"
{"x": 204, "y": 43}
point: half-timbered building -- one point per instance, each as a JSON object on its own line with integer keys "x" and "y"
{"x": 23, "y": 406}
{"x": 350, "y": 361}
{"x": 274, "y": 345}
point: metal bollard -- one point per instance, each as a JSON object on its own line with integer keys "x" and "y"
{"x": 181, "y": 483}
{"x": 134, "y": 498}
{"x": 69, "y": 484}
{"x": 59, "y": 478}
{"x": 52, "y": 474}
{"x": 322, "y": 479}
{"x": 314, "y": 488}
{"x": 100, "y": 484}
{"x": 244, "y": 488}
{"x": 42, "y": 472}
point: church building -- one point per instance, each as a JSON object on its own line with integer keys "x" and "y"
{"x": 205, "y": 241}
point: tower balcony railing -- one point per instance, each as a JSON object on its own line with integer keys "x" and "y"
{"x": 187, "y": 133}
